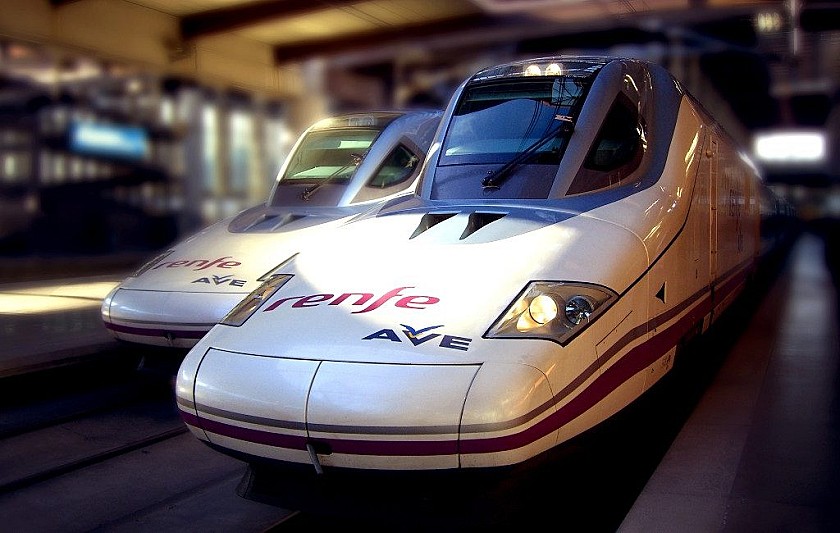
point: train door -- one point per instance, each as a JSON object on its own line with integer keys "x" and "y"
{"x": 711, "y": 163}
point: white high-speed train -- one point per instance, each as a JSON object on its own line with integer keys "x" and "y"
{"x": 339, "y": 168}
{"x": 576, "y": 218}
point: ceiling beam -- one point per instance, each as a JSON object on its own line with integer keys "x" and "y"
{"x": 239, "y": 16}
{"x": 487, "y": 29}
{"x": 386, "y": 37}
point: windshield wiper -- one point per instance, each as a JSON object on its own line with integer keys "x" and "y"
{"x": 355, "y": 160}
{"x": 495, "y": 178}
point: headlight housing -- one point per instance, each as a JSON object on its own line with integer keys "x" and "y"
{"x": 244, "y": 309}
{"x": 552, "y": 310}
{"x": 271, "y": 281}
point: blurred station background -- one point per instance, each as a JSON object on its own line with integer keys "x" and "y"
{"x": 125, "y": 125}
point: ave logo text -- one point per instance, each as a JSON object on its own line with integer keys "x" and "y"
{"x": 222, "y": 280}
{"x": 421, "y": 336}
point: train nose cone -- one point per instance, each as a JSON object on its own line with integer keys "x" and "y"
{"x": 388, "y": 416}
{"x": 353, "y": 415}
{"x": 248, "y": 404}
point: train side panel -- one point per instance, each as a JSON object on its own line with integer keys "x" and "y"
{"x": 681, "y": 277}
{"x": 735, "y": 239}
{"x": 705, "y": 240}
{"x": 709, "y": 262}
{"x": 675, "y": 290}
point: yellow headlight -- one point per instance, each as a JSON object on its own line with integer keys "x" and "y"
{"x": 543, "y": 309}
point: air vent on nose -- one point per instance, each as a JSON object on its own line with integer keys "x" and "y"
{"x": 288, "y": 219}
{"x": 478, "y": 221}
{"x": 429, "y": 220}
{"x": 273, "y": 222}
{"x": 265, "y": 221}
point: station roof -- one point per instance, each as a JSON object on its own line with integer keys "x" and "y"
{"x": 299, "y": 29}
{"x": 260, "y": 45}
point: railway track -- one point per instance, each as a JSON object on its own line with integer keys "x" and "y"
{"x": 85, "y": 415}
{"x": 102, "y": 447}
{"x": 88, "y": 459}
{"x": 48, "y": 398}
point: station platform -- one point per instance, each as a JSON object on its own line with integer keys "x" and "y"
{"x": 761, "y": 450}
{"x": 49, "y": 323}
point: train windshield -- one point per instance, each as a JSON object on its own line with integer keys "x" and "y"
{"x": 512, "y": 132}
{"x": 324, "y": 163}
{"x": 329, "y": 155}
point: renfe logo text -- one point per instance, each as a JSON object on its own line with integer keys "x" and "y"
{"x": 367, "y": 300}
{"x": 199, "y": 264}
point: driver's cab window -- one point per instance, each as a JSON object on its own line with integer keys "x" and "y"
{"x": 616, "y": 151}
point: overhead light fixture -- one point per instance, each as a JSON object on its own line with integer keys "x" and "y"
{"x": 790, "y": 146}
{"x": 768, "y": 21}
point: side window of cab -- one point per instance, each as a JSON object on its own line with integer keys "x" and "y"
{"x": 397, "y": 167}
{"x": 616, "y": 151}
{"x": 400, "y": 165}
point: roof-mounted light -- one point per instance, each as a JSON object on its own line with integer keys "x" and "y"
{"x": 553, "y": 69}
{"x": 532, "y": 70}
{"x": 582, "y": 67}
{"x": 360, "y": 120}
{"x": 537, "y": 69}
